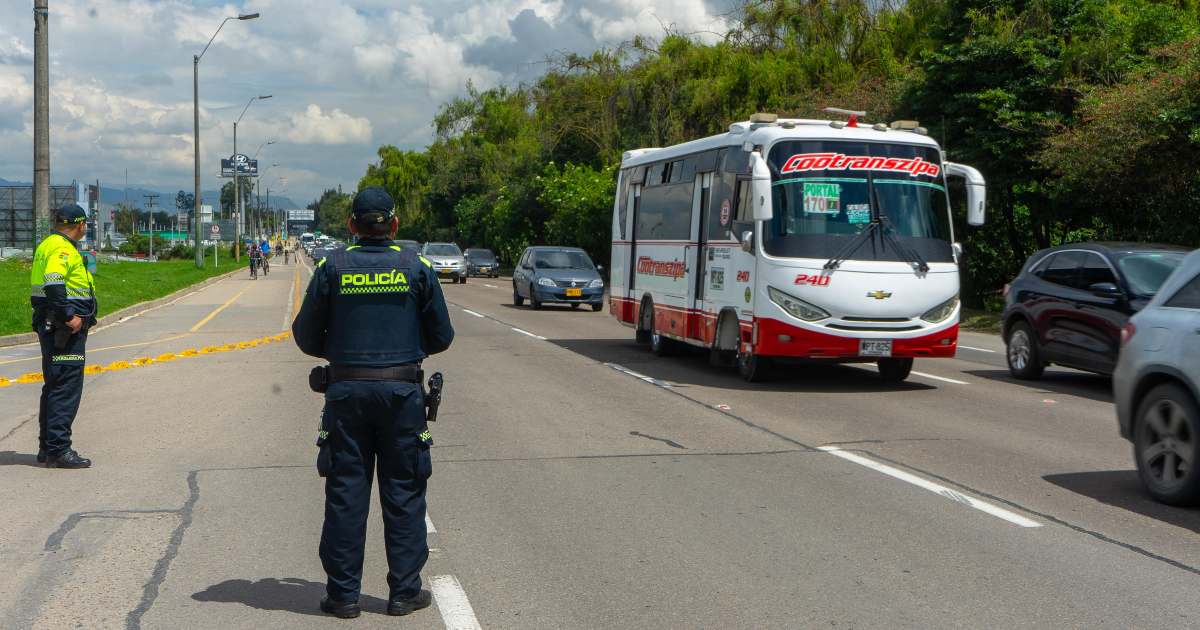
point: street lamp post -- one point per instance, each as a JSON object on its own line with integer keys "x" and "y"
{"x": 196, "y": 132}
{"x": 237, "y": 183}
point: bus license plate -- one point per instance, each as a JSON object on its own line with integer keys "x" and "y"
{"x": 875, "y": 347}
{"x": 574, "y": 292}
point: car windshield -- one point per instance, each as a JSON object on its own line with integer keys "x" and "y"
{"x": 562, "y": 260}
{"x": 480, "y": 254}
{"x": 443, "y": 249}
{"x": 1147, "y": 271}
{"x": 825, "y": 193}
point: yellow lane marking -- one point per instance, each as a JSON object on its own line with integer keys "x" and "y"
{"x": 116, "y": 366}
{"x": 91, "y": 350}
{"x": 218, "y": 310}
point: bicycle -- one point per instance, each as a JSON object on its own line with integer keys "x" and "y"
{"x": 253, "y": 268}
{"x": 266, "y": 265}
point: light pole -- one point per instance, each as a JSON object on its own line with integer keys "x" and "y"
{"x": 237, "y": 183}
{"x": 258, "y": 185}
{"x": 196, "y": 131}
{"x": 41, "y": 122}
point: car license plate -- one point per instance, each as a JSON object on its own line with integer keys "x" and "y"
{"x": 485, "y": 269}
{"x": 574, "y": 292}
{"x": 875, "y": 347}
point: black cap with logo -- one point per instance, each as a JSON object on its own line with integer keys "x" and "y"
{"x": 372, "y": 205}
{"x": 71, "y": 213}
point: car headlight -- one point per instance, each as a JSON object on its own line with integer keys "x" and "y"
{"x": 941, "y": 312}
{"x": 796, "y": 307}
{"x": 596, "y": 284}
{"x": 546, "y": 282}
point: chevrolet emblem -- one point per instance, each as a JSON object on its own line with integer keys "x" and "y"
{"x": 879, "y": 295}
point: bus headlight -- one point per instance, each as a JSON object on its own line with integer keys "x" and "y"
{"x": 941, "y": 312}
{"x": 796, "y": 307}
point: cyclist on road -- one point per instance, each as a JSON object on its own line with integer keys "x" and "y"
{"x": 265, "y": 247}
{"x": 255, "y": 256}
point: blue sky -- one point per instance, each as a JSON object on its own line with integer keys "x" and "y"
{"x": 346, "y": 76}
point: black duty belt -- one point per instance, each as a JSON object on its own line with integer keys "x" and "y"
{"x": 411, "y": 373}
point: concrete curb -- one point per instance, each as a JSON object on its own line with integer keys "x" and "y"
{"x": 134, "y": 309}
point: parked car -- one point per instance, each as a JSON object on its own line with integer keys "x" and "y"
{"x": 562, "y": 275}
{"x": 448, "y": 260}
{"x": 408, "y": 245}
{"x": 1069, "y": 303}
{"x": 482, "y": 262}
{"x": 1157, "y": 388}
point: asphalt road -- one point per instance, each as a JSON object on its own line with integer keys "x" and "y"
{"x": 580, "y": 482}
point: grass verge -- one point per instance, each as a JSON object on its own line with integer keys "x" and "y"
{"x": 980, "y": 321}
{"x": 118, "y": 285}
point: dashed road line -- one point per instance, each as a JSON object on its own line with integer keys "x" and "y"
{"x": 649, "y": 379}
{"x": 490, "y": 286}
{"x": 953, "y": 495}
{"x": 452, "y": 602}
{"x": 939, "y": 378}
{"x": 429, "y": 525}
{"x": 470, "y": 312}
{"x": 526, "y": 332}
{"x": 976, "y": 349}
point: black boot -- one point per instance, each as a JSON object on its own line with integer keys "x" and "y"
{"x": 343, "y": 610}
{"x": 69, "y": 459}
{"x": 41, "y": 456}
{"x": 400, "y": 606}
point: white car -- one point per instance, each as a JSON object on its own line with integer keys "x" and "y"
{"x": 1157, "y": 387}
{"x": 448, "y": 260}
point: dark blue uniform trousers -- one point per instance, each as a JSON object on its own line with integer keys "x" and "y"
{"x": 62, "y": 388}
{"x": 375, "y": 426}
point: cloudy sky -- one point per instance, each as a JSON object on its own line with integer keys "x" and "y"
{"x": 346, "y": 76}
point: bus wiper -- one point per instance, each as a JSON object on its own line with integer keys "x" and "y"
{"x": 851, "y": 247}
{"x": 910, "y": 256}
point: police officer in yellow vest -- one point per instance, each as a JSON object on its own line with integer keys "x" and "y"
{"x": 64, "y": 307}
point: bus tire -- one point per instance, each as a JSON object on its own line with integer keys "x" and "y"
{"x": 661, "y": 346}
{"x": 894, "y": 370}
{"x": 645, "y": 321}
{"x": 752, "y": 367}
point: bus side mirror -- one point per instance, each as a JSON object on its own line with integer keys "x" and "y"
{"x": 760, "y": 188}
{"x": 976, "y": 191}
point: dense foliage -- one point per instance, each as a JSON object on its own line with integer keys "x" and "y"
{"x": 1084, "y": 115}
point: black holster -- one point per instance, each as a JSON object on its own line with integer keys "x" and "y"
{"x": 433, "y": 399}
{"x": 318, "y": 379}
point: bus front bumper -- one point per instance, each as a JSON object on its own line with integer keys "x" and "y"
{"x": 780, "y": 339}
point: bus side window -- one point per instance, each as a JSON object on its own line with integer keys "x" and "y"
{"x": 743, "y": 201}
{"x": 623, "y": 201}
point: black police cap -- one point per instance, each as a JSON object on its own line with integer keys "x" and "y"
{"x": 70, "y": 213}
{"x": 372, "y": 205}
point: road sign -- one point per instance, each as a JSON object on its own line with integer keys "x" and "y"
{"x": 300, "y": 215}
{"x": 216, "y": 230}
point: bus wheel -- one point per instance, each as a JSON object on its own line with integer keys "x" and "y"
{"x": 645, "y": 322}
{"x": 894, "y": 370}
{"x": 719, "y": 355}
{"x": 661, "y": 346}
{"x": 752, "y": 367}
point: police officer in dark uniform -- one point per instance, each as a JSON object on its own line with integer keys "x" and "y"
{"x": 64, "y": 307}
{"x": 374, "y": 311}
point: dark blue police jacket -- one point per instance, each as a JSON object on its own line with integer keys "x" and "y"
{"x": 373, "y": 304}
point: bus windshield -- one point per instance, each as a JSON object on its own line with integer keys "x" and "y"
{"x": 826, "y": 192}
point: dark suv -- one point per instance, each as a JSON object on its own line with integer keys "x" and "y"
{"x": 1070, "y": 302}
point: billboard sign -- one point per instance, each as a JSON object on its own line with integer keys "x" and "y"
{"x": 239, "y": 164}
{"x": 301, "y": 215}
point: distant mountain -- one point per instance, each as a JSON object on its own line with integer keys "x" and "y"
{"x": 136, "y": 195}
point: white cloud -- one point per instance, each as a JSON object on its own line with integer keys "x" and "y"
{"x": 345, "y": 74}
{"x": 337, "y": 127}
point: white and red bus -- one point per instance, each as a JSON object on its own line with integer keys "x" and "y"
{"x": 809, "y": 239}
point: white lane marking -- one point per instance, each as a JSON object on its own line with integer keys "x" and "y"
{"x": 490, "y": 286}
{"x": 649, "y": 379}
{"x": 429, "y": 525}
{"x": 526, "y": 332}
{"x": 953, "y": 495}
{"x": 939, "y": 378}
{"x": 452, "y": 602}
{"x": 470, "y": 312}
{"x": 976, "y": 349}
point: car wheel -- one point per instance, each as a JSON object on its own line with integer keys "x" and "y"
{"x": 894, "y": 370}
{"x": 1166, "y": 447}
{"x": 1024, "y": 356}
{"x": 596, "y": 308}
{"x": 464, "y": 279}
{"x": 752, "y": 367}
{"x": 533, "y": 301}
{"x": 517, "y": 299}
